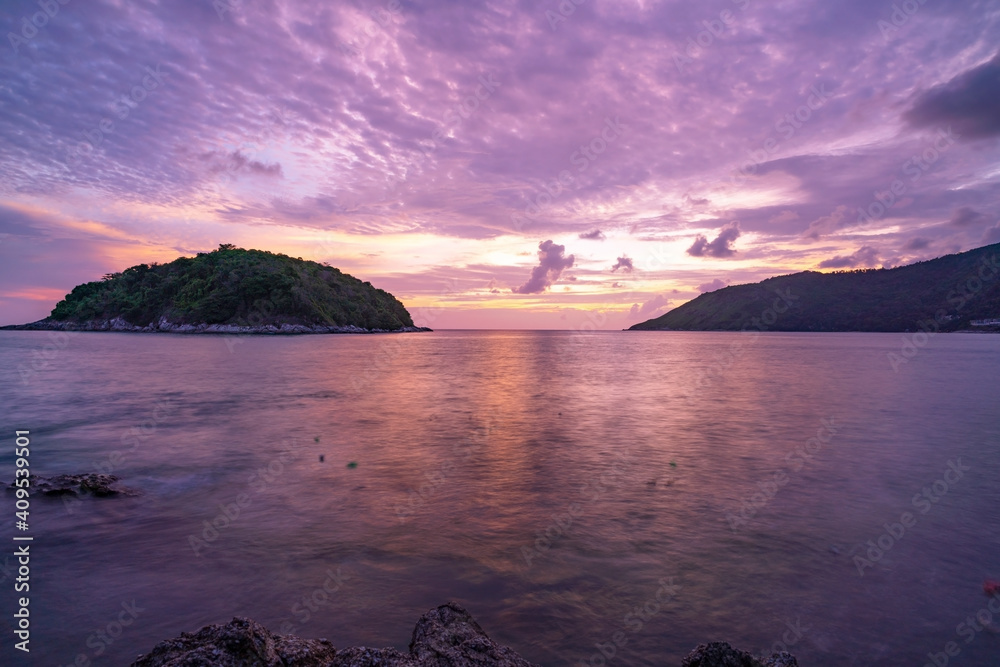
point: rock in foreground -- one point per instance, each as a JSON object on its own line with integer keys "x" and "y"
{"x": 95, "y": 484}
{"x": 447, "y": 635}
{"x": 721, "y": 654}
{"x": 444, "y": 637}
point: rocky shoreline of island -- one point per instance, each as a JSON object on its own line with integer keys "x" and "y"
{"x": 163, "y": 325}
{"x": 446, "y": 635}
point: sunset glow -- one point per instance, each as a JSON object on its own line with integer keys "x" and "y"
{"x": 431, "y": 149}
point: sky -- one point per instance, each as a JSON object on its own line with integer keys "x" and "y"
{"x": 525, "y": 165}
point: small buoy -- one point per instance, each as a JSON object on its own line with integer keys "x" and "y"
{"x": 673, "y": 464}
{"x": 352, "y": 464}
{"x": 321, "y": 457}
{"x": 316, "y": 439}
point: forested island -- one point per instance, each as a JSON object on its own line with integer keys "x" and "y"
{"x": 229, "y": 290}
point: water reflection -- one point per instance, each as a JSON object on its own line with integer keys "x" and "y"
{"x": 611, "y": 458}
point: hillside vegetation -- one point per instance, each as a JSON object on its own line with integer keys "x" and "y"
{"x": 234, "y": 286}
{"x": 953, "y": 290}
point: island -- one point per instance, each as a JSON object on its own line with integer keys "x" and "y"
{"x": 959, "y": 292}
{"x": 229, "y": 290}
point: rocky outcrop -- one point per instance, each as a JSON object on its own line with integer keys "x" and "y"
{"x": 447, "y": 636}
{"x": 444, "y": 636}
{"x": 239, "y": 643}
{"x": 165, "y": 326}
{"x": 721, "y": 654}
{"x": 94, "y": 484}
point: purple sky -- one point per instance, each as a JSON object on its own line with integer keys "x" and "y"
{"x": 500, "y": 164}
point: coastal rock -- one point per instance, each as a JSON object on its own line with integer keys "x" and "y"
{"x": 95, "y": 484}
{"x": 240, "y": 643}
{"x": 721, "y": 654}
{"x": 447, "y": 635}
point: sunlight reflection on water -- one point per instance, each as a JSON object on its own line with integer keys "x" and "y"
{"x": 547, "y": 481}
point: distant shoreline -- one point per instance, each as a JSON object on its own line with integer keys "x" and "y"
{"x": 956, "y": 331}
{"x": 118, "y": 325}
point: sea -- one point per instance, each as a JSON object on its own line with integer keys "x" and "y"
{"x": 592, "y": 498}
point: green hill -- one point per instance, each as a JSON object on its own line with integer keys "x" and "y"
{"x": 226, "y": 289}
{"x": 954, "y": 290}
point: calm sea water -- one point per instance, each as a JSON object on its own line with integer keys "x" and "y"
{"x": 556, "y": 484}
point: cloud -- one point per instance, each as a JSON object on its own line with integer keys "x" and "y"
{"x": 552, "y": 261}
{"x": 236, "y": 162}
{"x": 712, "y": 286}
{"x": 917, "y": 244}
{"x": 649, "y": 309}
{"x": 970, "y": 103}
{"x": 623, "y": 263}
{"x": 828, "y": 223}
{"x": 720, "y": 247}
{"x": 992, "y": 235}
{"x": 18, "y": 222}
{"x": 353, "y": 133}
{"x": 784, "y": 216}
{"x": 866, "y": 256}
{"x": 966, "y": 216}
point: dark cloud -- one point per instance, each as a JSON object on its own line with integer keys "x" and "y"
{"x": 722, "y": 246}
{"x": 866, "y": 256}
{"x": 236, "y": 162}
{"x": 623, "y": 263}
{"x": 716, "y": 284}
{"x": 552, "y": 261}
{"x": 970, "y": 103}
{"x": 918, "y": 243}
{"x": 595, "y": 235}
{"x": 19, "y": 223}
{"x": 966, "y": 216}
